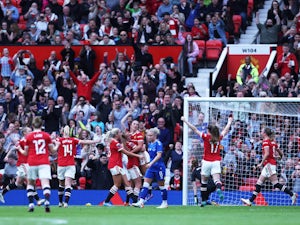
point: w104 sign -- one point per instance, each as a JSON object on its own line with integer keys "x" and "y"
{"x": 249, "y": 49}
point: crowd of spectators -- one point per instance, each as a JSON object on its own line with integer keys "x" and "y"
{"x": 92, "y": 99}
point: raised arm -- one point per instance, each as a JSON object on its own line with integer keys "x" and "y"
{"x": 192, "y": 126}
{"x": 227, "y": 127}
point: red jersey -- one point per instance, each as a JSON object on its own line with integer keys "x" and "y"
{"x": 21, "y": 158}
{"x": 66, "y": 151}
{"x": 132, "y": 161}
{"x": 272, "y": 145}
{"x": 115, "y": 158}
{"x": 136, "y": 137}
{"x": 284, "y": 61}
{"x": 38, "y": 151}
{"x": 134, "y": 140}
{"x": 211, "y": 151}
{"x": 85, "y": 90}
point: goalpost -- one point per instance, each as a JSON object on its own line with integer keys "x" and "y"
{"x": 242, "y": 146}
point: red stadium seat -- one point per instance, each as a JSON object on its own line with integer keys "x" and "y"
{"x": 184, "y": 34}
{"x": 16, "y": 3}
{"x": 60, "y": 2}
{"x": 247, "y": 188}
{"x": 82, "y": 183}
{"x": 201, "y": 46}
{"x": 251, "y": 181}
{"x": 21, "y": 19}
{"x": 82, "y": 28}
{"x": 237, "y": 22}
{"x": 22, "y": 26}
{"x": 213, "y": 49}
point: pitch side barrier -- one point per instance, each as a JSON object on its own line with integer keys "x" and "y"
{"x": 96, "y": 197}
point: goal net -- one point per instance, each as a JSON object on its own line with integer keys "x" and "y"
{"x": 241, "y": 147}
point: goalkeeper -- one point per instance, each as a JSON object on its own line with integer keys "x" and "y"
{"x": 196, "y": 176}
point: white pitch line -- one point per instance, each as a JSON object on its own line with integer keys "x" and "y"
{"x": 33, "y": 221}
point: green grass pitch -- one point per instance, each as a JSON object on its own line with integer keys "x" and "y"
{"x": 118, "y": 215}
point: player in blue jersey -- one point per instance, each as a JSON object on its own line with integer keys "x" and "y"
{"x": 156, "y": 169}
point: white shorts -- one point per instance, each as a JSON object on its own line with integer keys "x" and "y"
{"x": 268, "y": 170}
{"x": 23, "y": 170}
{"x": 117, "y": 170}
{"x": 134, "y": 173}
{"x": 209, "y": 168}
{"x": 126, "y": 172}
{"x": 146, "y": 158}
{"x": 41, "y": 172}
{"x": 65, "y": 171}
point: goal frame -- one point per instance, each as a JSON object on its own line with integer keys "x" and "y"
{"x": 188, "y": 100}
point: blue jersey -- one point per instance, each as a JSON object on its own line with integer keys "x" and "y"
{"x": 153, "y": 149}
{"x": 157, "y": 170}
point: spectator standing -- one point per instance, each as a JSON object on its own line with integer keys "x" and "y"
{"x": 268, "y": 31}
{"x": 216, "y": 29}
{"x": 10, "y": 11}
{"x": 286, "y": 62}
{"x": 101, "y": 176}
{"x": 84, "y": 86}
{"x": 190, "y": 52}
{"x": 274, "y": 11}
{"x": 83, "y": 108}
{"x": 175, "y": 182}
{"x": 117, "y": 113}
{"x": 199, "y": 30}
{"x": 175, "y": 157}
{"x": 87, "y": 59}
{"x": 55, "y": 7}
{"x": 75, "y": 10}
{"x": 247, "y": 71}
{"x": 51, "y": 115}
{"x": 7, "y": 64}
{"x": 166, "y": 6}
{"x": 32, "y": 14}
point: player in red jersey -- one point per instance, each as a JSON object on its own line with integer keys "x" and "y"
{"x": 211, "y": 162}
{"x": 134, "y": 174}
{"x": 22, "y": 168}
{"x": 38, "y": 145}
{"x": 134, "y": 143}
{"x": 115, "y": 165}
{"x": 269, "y": 152}
{"x": 66, "y": 151}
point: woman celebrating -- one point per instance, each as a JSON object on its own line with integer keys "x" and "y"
{"x": 116, "y": 167}
{"x": 66, "y": 151}
{"x": 269, "y": 150}
{"x": 211, "y": 162}
{"x": 190, "y": 52}
{"x": 155, "y": 169}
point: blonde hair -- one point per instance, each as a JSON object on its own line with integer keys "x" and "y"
{"x": 154, "y": 131}
{"x": 37, "y": 122}
{"x": 112, "y": 133}
{"x": 66, "y": 131}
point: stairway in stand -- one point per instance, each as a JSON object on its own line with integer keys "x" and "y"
{"x": 201, "y": 82}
